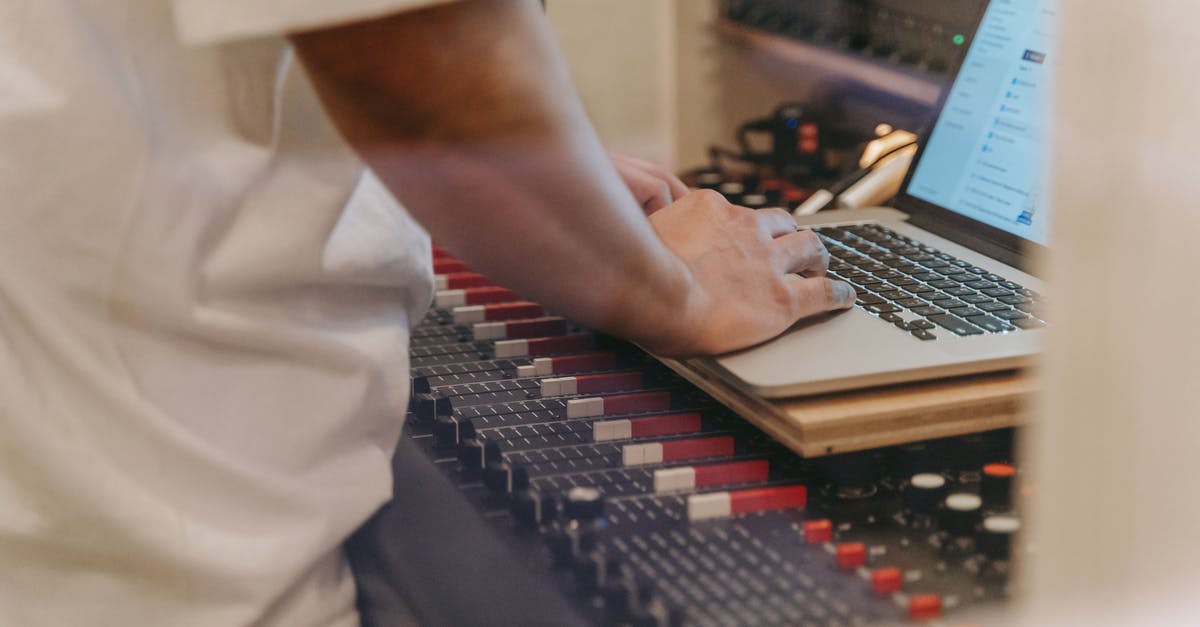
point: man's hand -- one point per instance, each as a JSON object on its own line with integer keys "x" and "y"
{"x": 742, "y": 265}
{"x": 653, "y": 187}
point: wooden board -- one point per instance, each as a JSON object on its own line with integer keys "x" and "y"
{"x": 862, "y": 419}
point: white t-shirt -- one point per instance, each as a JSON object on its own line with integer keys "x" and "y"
{"x": 204, "y": 312}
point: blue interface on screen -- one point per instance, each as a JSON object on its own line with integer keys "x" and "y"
{"x": 986, "y": 156}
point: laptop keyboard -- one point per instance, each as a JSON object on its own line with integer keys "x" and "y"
{"x": 923, "y": 291}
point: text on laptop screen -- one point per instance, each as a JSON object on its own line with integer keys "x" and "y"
{"x": 986, "y": 155}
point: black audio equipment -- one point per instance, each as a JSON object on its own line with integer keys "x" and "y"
{"x": 553, "y": 476}
{"x": 925, "y": 37}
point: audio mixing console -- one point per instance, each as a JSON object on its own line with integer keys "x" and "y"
{"x": 577, "y": 473}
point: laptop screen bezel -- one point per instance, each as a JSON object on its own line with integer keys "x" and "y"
{"x": 994, "y": 242}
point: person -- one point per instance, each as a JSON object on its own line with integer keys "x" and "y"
{"x": 205, "y": 297}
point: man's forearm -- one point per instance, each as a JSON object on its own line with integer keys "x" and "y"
{"x": 466, "y": 112}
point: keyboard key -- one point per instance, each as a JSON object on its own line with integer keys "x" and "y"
{"x": 919, "y": 288}
{"x": 947, "y": 270}
{"x": 959, "y": 291}
{"x": 885, "y": 274}
{"x": 923, "y": 334}
{"x": 1010, "y": 314}
{"x": 959, "y": 263}
{"x": 875, "y": 268}
{"x": 939, "y": 296}
{"x": 1010, "y": 285}
{"x": 869, "y": 299}
{"x": 1029, "y": 323}
{"x": 976, "y": 299}
{"x": 1014, "y": 299}
{"x": 868, "y": 280}
{"x": 891, "y": 317}
{"x": 976, "y": 270}
{"x": 902, "y": 281}
{"x": 994, "y": 278}
{"x": 955, "y": 325}
{"x": 937, "y": 263}
{"x": 907, "y": 268}
{"x": 965, "y": 311}
{"x": 944, "y": 284}
{"x": 927, "y": 310}
{"x": 851, "y": 275}
{"x": 989, "y": 323}
{"x": 927, "y": 276}
{"x": 997, "y": 292}
{"x": 993, "y": 306}
{"x": 882, "y": 308}
{"x": 921, "y": 324}
{"x": 961, "y": 277}
{"x": 911, "y": 302}
{"x": 979, "y": 284}
{"x": 889, "y": 292}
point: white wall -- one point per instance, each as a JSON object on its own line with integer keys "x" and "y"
{"x": 622, "y": 57}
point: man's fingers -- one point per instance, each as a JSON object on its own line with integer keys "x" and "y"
{"x": 801, "y": 251}
{"x": 820, "y": 294}
{"x": 652, "y": 186}
{"x": 661, "y": 198}
{"x": 675, "y": 186}
{"x": 651, "y": 193}
{"x": 775, "y": 222}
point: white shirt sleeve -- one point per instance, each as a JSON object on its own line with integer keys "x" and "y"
{"x": 219, "y": 21}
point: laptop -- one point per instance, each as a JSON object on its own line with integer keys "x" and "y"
{"x": 942, "y": 276}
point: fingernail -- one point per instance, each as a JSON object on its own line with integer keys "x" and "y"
{"x": 844, "y": 292}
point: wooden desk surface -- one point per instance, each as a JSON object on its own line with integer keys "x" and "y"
{"x": 862, "y": 419}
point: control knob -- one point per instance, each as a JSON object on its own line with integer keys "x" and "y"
{"x": 994, "y": 539}
{"x": 532, "y": 508}
{"x": 504, "y": 478}
{"x": 995, "y": 486}
{"x": 960, "y": 514}
{"x": 583, "y": 503}
{"x": 476, "y": 453}
{"x": 449, "y": 432}
{"x": 923, "y": 494}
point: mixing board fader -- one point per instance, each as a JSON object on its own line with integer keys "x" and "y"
{"x": 647, "y": 503}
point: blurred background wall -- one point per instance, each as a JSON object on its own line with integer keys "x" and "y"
{"x": 1116, "y": 448}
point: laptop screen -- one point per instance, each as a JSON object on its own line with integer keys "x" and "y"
{"x": 985, "y": 158}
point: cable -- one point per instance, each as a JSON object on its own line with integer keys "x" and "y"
{"x": 825, "y": 198}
